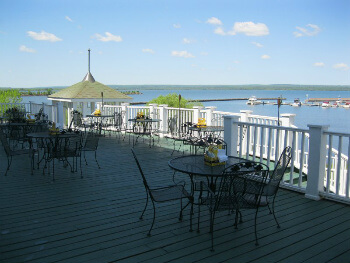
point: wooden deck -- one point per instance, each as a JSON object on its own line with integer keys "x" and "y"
{"x": 95, "y": 219}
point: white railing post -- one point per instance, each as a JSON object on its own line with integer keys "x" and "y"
{"x": 231, "y": 134}
{"x": 152, "y": 111}
{"x": 163, "y": 115}
{"x": 125, "y": 114}
{"x": 317, "y": 161}
{"x": 288, "y": 119}
{"x": 245, "y": 115}
{"x": 210, "y": 115}
{"x": 196, "y": 113}
{"x": 245, "y": 118}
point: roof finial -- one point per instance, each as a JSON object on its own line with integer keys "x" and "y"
{"x": 88, "y": 76}
{"x": 89, "y": 60}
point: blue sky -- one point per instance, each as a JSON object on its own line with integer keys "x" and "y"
{"x": 183, "y": 42}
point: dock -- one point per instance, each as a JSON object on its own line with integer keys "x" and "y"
{"x": 326, "y": 99}
{"x": 209, "y": 100}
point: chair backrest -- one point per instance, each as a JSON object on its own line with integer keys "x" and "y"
{"x": 5, "y": 143}
{"x": 172, "y": 125}
{"x": 141, "y": 172}
{"x": 77, "y": 119}
{"x": 239, "y": 181}
{"x": 72, "y": 146}
{"x": 118, "y": 120}
{"x": 91, "y": 141}
{"x": 278, "y": 172}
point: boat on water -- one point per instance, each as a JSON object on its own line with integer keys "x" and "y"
{"x": 346, "y": 105}
{"x": 253, "y": 101}
{"x": 296, "y": 103}
{"x": 326, "y": 104}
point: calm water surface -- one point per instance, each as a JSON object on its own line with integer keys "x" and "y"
{"x": 337, "y": 118}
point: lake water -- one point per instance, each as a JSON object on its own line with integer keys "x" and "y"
{"x": 337, "y": 118}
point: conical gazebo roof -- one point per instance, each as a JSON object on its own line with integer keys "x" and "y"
{"x": 89, "y": 89}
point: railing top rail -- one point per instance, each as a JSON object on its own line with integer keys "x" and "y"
{"x": 337, "y": 133}
{"x": 273, "y": 126}
{"x": 183, "y": 109}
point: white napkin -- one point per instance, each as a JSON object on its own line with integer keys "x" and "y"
{"x": 222, "y": 156}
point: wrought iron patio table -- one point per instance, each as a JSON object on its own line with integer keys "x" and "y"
{"x": 144, "y": 127}
{"x": 97, "y": 120}
{"x": 46, "y": 137}
{"x": 194, "y": 166}
{"x": 207, "y": 130}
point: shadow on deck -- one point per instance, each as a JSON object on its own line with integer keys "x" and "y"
{"x": 95, "y": 219}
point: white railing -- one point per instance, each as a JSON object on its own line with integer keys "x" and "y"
{"x": 337, "y": 173}
{"x": 317, "y": 169}
{"x": 320, "y": 164}
{"x": 32, "y": 108}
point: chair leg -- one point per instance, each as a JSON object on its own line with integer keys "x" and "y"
{"x": 85, "y": 159}
{"x": 97, "y": 161}
{"x": 154, "y": 217}
{"x": 141, "y": 217}
{"x": 9, "y": 161}
{"x": 273, "y": 211}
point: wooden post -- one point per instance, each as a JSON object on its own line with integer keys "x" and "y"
{"x": 317, "y": 161}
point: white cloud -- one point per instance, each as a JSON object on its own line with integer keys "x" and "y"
{"x": 311, "y": 30}
{"x": 43, "y": 36}
{"x": 251, "y": 28}
{"x": 204, "y": 53}
{"x": 214, "y": 21}
{"x": 109, "y": 37}
{"x": 187, "y": 41}
{"x": 265, "y": 57}
{"x": 68, "y": 18}
{"x": 23, "y": 48}
{"x": 257, "y": 44}
{"x": 319, "y": 64}
{"x": 220, "y": 31}
{"x": 247, "y": 28}
{"x": 236, "y": 62}
{"x": 341, "y": 66}
{"x": 176, "y": 25}
{"x": 148, "y": 50}
{"x": 183, "y": 54}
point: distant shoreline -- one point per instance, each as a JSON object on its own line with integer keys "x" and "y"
{"x": 128, "y": 88}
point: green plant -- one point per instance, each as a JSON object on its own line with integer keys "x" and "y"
{"x": 15, "y": 115}
{"x": 10, "y": 96}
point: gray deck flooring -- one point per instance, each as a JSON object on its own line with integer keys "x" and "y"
{"x": 96, "y": 219}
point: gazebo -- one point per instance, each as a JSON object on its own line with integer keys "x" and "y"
{"x": 84, "y": 96}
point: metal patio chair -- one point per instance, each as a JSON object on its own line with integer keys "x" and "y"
{"x": 162, "y": 194}
{"x": 62, "y": 149}
{"x": 234, "y": 192}
{"x": 10, "y": 152}
{"x": 90, "y": 144}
